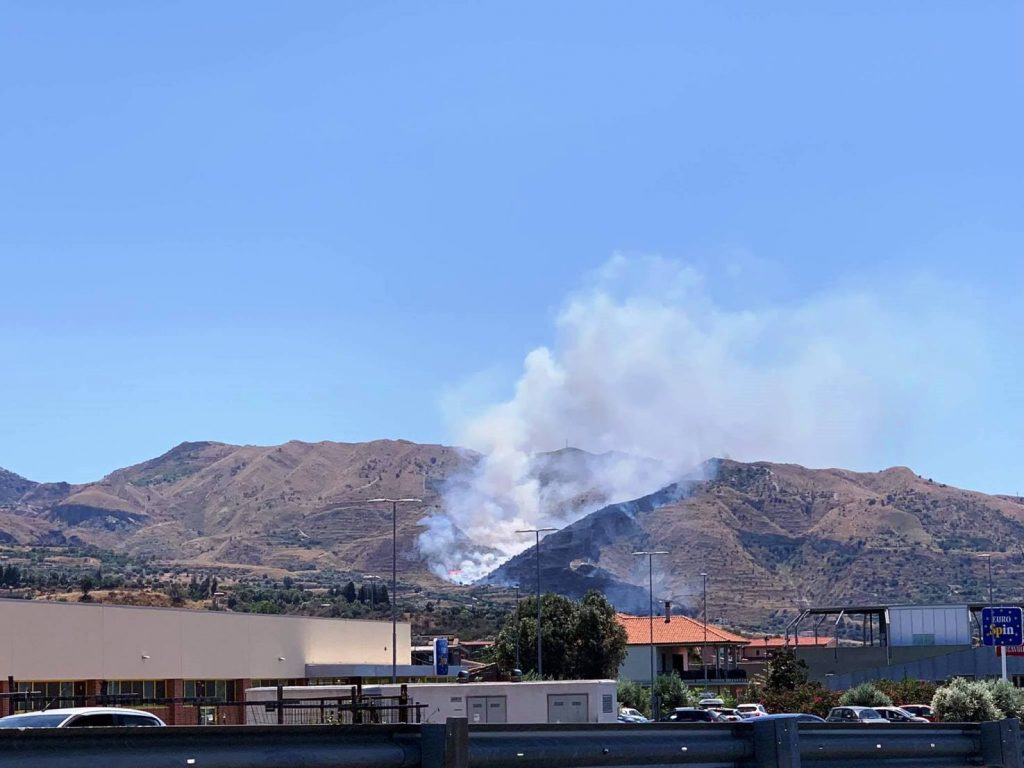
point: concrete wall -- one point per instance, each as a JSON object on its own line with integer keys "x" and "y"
{"x": 76, "y": 641}
{"x": 526, "y": 702}
{"x": 977, "y": 663}
{"x": 826, "y": 661}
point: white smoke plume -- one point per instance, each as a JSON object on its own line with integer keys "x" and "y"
{"x": 647, "y": 366}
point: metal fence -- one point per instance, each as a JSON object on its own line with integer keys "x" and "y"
{"x": 355, "y": 709}
{"x": 770, "y": 743}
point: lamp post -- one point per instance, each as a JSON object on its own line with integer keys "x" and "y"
{"x": 650, "y": 582}
{"x": 394, "y": 579}
{"x": 991, "y": 599}
{"x": 518, "y": 666}
{"x": 537, "y": 532}
{"x": 704, "y": 648}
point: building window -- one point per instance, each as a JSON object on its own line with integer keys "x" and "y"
{"x": 137, "y": 689}
{"x": 213, "y": 691}
{"x": 47, "y": 694}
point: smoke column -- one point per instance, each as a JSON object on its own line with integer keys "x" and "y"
{"x": 646, "y": 368}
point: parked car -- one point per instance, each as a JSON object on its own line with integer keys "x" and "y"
{"x": 81, "y": 717}
{"x": 801, "y": 717}
{"x": 919, "y": 710}
{"x": 692, "y": 715}
{"x": 726, "y": 715}
{"x": 854, "y": 715}
{"x": 710, "y": 702}
{"x": 751, "y": 710}
{"x": 899, "y": 715}
{"x": 630, "y": 715}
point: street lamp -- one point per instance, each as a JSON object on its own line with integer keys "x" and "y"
{"x": 650, "y": 581}
{"x": 394, "y": 578}
{"x": 518, "y": 667}
{"x": 537, "y": 532}
{"x": 988, "y": 556}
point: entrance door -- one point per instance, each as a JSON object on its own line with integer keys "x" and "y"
{"x": 487, "y": 709}
{"x": 567, "y": 708}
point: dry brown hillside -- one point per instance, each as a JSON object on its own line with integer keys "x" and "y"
{"x": 296, "y": 506}
{"x": 776, "y": 537}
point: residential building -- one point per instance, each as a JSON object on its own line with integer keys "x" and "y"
{"x": 704, "y": 656}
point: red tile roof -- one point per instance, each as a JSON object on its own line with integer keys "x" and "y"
{"x": 681, "y": 630}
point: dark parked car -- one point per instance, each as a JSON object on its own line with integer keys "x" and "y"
{"x": 800, "y": 717}
{"x": 854, "y": 715}
{"x": 692, "y": 715}
{"x": 898, "y": 715}
{"x": 919, "y": 710}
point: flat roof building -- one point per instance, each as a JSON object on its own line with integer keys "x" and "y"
{"x": 86, "y": 651}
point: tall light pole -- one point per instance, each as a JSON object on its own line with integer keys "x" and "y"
{"x": 704, "y": 648}
{"x": 650, "y": 583}
{"x": 537, "y": 532}
{"x": 518, "y": 666}
{"x": 394, "y": 579}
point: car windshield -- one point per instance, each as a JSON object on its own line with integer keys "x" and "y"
{"x": 867, "y": 714}
{"x": 32, "y": 721}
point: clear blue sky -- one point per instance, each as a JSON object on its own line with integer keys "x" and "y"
{"x": 255, "y": 221}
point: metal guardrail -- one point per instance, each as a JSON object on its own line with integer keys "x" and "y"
{"x": 773, "y": 743}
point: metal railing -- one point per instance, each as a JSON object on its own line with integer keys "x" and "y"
{"x": 336, "y": 710}
{"x": 769, "y": 743}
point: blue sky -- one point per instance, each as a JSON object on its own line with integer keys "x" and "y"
{"x": 254, "y": 221}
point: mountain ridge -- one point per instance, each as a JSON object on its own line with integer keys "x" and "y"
{"x": 771, "y": 536}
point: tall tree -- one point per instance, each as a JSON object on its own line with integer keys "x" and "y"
{"x": 580, "y": 640}
{"x": 349, "y": 592}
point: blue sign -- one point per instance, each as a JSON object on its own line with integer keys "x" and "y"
{"x": 1002, "y": 626}
{"x": 441, "y": 656}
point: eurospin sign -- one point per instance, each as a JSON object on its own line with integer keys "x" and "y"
{"x": 1002, "y": 626}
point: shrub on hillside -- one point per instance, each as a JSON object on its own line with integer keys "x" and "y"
{"x": 1008, "y": 698}
{"x": 865, "y": 695}
{"x": 965, "y": 701}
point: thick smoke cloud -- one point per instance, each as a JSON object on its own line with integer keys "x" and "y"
{"x": 646, "y": 365}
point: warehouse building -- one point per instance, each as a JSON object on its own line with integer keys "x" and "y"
{"x": 871, "y": 642}
{"x": 200, "y": 662}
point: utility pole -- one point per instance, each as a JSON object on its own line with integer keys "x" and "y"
{"x": 704, "y": 648}
{"x": 394, "y": 580}
{"x": 519, "y": 667}
{"x": 537, "y": 532}
{"x": 655, "y": 714}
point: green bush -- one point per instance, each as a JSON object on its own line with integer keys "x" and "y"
{"x": 632, "y": 694}
{"x": 1008, "y": 698}
{"x": 672, "y": 693}
{"x": 907, "y": 690}
{"x": 965, "y": 701}
{"x": 865, "y": 695}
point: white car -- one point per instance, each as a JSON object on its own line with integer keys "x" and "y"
{"x": 82, "y": 717}
{"x": 751, "y": 710}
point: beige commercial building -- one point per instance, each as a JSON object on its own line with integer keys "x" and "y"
{"x": 81, "y": 651}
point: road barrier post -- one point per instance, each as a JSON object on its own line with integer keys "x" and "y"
{"x": 776, "y": 743}
{"x": 1001, "y": 744}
